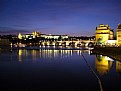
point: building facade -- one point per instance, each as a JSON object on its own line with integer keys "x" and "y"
{"x": 103, "y": 33}
{"x": 118, "y": 33}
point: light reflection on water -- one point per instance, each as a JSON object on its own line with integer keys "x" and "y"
{"x": 62, "y": 65}
{"x": 48, "y": 54}
{"x": 103, "y": 64}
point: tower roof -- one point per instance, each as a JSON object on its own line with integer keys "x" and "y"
{"x": 102, "y": 25}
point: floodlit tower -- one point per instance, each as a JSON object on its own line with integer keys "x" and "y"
{"x": 35, "y": 34}
{"x": 103, "y": 33}
{"x": 19, "y": 36}
{"x": 118, "y": 32}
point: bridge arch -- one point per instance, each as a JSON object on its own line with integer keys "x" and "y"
{"x": 90, "y": 44}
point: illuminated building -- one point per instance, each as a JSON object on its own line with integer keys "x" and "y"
{"x": 119, "y": 35}
{"x": 50, "y": 36}
{"x": 37, "y": 39}
{"x": 111, "y": 42}
{"x": 35, "y": 34}
{"x": 19, "y": 36}
{"x": 103, "y": 33}
{"x": 103, "y": 64}
{"x": 28, "y": 36}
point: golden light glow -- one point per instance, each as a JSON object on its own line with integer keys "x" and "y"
{"x": 104, "y": 33}
{"x": 34, "y": 55}
{"x": 118, "y": 67}
{"x": 20, "y": 55}
{"x": 34, "y": 34}
{"x": 111, "y": 42}
{"x": 20, "y": 36}
{"x": 103, "y": 64}
{"x": 53, "y": 44}
{"x": 119, "y": 35}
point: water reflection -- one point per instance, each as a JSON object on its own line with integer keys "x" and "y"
{"x": 103, "y": 64}
{"x": 46, "y": 66}
{"x": 118, "y": 67}
{"x": 20, "y": 55}
{"x": 46, "y": 53}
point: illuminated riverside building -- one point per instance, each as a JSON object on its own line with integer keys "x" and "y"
{"x": 38, "y": 39}
{"x": 30, "y": 36}
{"x": 36, "y": 35}
{"x": 19, "y": 36}
{"x": 103, "y": 64}
{"x": 50, "y": 36}
{"x": 103, "y": 33}
{"x": 118, "y": 32}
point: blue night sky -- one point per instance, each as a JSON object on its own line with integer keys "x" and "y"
{"x": 72, "y": 17}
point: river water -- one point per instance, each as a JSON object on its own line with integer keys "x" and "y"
{"x": 58, "y": 69}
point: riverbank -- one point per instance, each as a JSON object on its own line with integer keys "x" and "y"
{"x": 113, "y": 52}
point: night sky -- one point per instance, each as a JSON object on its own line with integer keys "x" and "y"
{"x": 72, "y": 17}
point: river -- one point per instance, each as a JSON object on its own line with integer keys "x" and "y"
{"x": 58, "y": 69}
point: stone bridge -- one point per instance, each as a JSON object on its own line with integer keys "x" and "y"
{"x": 68, "y": 43}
